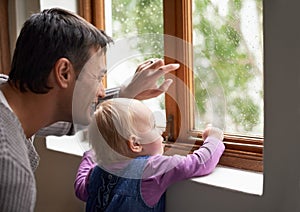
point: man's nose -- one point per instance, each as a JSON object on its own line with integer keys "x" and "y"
{"x": 101, "y": 91}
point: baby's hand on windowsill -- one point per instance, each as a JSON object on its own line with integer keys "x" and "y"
{"x": 213, "y": 132}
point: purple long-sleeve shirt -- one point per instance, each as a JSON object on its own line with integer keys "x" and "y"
{"x": 161, "y": 171}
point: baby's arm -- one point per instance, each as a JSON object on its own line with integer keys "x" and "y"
{"x": 82, "y": 176}
{"x": 162, "y": 171}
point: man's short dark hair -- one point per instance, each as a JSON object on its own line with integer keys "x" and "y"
{"x": 46, "y": 37}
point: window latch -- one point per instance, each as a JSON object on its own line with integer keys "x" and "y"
{"x": 170, "y": 128}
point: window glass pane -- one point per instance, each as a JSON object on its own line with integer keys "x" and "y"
{"x": 228, "y": 64}
{"x": 137, "y": 29}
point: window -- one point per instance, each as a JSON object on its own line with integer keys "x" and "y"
{"x": 220, "y": 80}
{"x": 136, "y": 27}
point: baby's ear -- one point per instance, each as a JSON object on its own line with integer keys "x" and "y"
{"x": 134, "y": 144}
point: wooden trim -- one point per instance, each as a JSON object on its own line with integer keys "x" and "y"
{"x": 4, "y": 39}
{"x": 178, "y": 49}
{"x": 241, "y": 163}
{"x": 256, "y": 150}
{"x": 98, "y": 14}
{"x": 249, "y": 158}
{"x": 93, "y": 11}
{"x": 240, "y": 152}
{"x": 85, "y": 9}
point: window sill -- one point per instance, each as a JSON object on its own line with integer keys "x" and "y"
{"x": 234, "y": 179}
{"x": 224, "y": 177}
{"x": 75, "y": 144}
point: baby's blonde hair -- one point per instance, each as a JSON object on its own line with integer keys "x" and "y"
{"x": 110, "y": 130}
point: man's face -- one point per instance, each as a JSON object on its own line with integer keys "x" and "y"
{"x": 87, "y": 87}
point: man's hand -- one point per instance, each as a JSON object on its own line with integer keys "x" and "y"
{"x": 144, "y": 83}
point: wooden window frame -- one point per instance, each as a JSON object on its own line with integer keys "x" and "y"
{"x": 4, "y": 39}
{"x": 241, "y": 152}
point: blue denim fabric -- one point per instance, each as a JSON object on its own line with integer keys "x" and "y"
{"x": 111, "y": 193}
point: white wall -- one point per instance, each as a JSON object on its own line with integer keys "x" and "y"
{"x": 20, "y": 10}
{"x": 55, "y": 177}
{"x": 282, "y": 127}
{"x": 69, "y": 4}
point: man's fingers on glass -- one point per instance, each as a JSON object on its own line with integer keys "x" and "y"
{"x": 151, "y": 65}
{"x": 167, "y": 68}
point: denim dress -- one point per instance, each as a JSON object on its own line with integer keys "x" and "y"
{"x": 119, "y": 193}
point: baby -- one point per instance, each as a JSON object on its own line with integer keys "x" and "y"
{"x": 126, "y": 169}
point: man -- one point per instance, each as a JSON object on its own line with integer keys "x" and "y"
{"x": 55, "y": 74}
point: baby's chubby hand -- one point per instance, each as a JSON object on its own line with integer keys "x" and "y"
{"x": 213, "y": 132}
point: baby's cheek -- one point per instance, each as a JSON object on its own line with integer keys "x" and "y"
{"x": 160, "y": 147}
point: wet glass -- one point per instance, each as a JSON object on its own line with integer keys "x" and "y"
{"x": 137, "y": 29}
{"x": 228, "y": 65}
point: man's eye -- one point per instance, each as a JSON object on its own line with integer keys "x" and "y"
{"x": 99, "y": 79}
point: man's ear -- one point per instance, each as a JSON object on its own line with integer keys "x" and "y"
{"x": 63, "y": 71}
{"x": 134, "y": 144}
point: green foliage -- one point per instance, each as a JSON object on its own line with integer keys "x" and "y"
{"x": 140, "y": 17}
{"x": 229, "y": 59}
{"x": 221, "y": 55}
{"x": 245, "y": 111}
